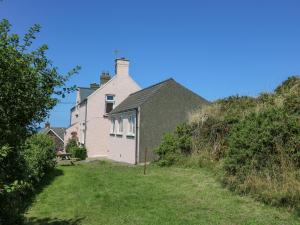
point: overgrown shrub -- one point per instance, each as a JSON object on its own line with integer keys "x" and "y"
{"x": 39, "y": 154}
{"x": 71, "y": 144}
{"x": 264, "y": 152}
{"x": 78, "y": 152}
{"x": 175, "y": 145}
{"x": 260, "y": 140}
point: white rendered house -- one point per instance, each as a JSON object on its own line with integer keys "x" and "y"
{"x": 89, "y": 122}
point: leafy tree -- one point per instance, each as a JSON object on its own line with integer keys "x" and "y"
{"x": 28, "y": 83}
{"x": 30, "y": 87}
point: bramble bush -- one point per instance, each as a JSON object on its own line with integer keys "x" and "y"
{"x": 263, "y": 157}
{"x": 175, "y": 145}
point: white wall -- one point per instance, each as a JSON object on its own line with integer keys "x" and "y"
{"x": 98, "y": 124}
{"x": 121, "y": 146}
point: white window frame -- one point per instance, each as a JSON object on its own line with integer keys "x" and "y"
{"x": 132, "y": 125}
{"x": 120, "y": 125}
{"x": 109, "y": 101}
{"x": 113, "y": 125}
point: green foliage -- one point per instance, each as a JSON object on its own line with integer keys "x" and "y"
{"x": 175, "y": 145}
{"x": 28, "y": 83}
{"x": 259, "y": 142}
{"x": 39, "y": 154}
{"x": 72, "y": 143}
{"x": 75, "y": 150}
{"x": 253, "y": 142}
{"x": 78, "y": 152}
{"x": 11, "y": 191}
{"x": 30, "y": 87}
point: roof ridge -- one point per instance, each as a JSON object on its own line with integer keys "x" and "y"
{"x": 151, "y": 86}
{"x": 140, "y": 97}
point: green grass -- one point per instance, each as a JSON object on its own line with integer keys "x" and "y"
{"x": 107, "y": 193}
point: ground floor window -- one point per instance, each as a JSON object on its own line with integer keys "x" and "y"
{"x": 120, "y": 122}
{"x": 131, "y": 121}
{"x": 113, "y": 126}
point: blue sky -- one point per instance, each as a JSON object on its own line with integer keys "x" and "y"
{"x": 215, "y": 48}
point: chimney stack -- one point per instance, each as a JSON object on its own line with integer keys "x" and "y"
{"x": 47, "y": 125}
{"x": 122, "y": 66}
{"x": 104, "y": 77}
{"x": 94, "y": 86}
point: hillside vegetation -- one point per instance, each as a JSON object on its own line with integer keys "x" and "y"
{"x": 252, "y": 143}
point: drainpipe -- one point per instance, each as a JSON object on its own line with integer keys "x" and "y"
{"x": 136, "y": 134}
{"x": 85, "y": 126}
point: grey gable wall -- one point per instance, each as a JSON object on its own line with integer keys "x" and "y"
{"x": 161, "y": 113}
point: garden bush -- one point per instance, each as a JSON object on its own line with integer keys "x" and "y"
{"x": 175, "y": 145}
{"x": 11, "y": 191}
{"x": 78, "y": 152}
{"x": 39, "y": 154}
{"x": 71, "y": 144}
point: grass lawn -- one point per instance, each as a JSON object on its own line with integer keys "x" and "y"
{"x": 108, "y": 193}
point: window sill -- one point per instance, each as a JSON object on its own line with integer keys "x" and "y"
{"x": 130, "y": 135}
{"x": 119, "y": 134}
{"x": 112, "y": 134}
{"x": 105, "y": 115}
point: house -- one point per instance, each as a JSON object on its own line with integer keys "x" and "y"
{"x": 141, "y": 120}
{"x": 89, "y": 122}
{"x": 57, "y": 133}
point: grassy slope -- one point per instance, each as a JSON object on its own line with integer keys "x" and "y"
{"x": 106, "y": 193}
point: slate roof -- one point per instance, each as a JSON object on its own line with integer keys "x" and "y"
{"x": 85, "y": 92}
{"x": 136, "y": 99}
{"x": 58, "y": 131}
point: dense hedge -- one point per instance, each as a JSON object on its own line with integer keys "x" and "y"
{"x": 253, "y": 142}
{"x": 37, "y": 158}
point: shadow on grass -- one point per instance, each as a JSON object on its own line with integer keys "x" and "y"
{"x": 51, "y": 221}
{"x": 45, "y": 182}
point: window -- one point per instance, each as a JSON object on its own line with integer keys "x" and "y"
{"x": 131, "y": 121}
{"x": 120, "y": 122}
{"x": 113, "y": 126}
{"x": 109, "y": 103}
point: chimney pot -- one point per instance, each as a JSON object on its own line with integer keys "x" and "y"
{"x": 94, "y": 86}
{"x": 105, "y": 77}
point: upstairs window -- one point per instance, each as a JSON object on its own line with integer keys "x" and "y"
{"x": 109, "y": 103}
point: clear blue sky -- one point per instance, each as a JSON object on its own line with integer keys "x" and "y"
{"x": 215, "y": 48}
